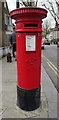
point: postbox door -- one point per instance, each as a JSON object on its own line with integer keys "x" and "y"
{"x": 29, "y": 59}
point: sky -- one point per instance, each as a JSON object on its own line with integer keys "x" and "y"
{"x": 12, "y": 6}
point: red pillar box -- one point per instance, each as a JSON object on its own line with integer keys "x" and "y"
{"x": 28, "y": 51}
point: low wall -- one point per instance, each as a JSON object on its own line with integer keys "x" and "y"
{"x": 3, "y": 51}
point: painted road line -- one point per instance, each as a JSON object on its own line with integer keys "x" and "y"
{"x": 51, "y": 64}
{"x": 54, "y": 66}
{"x": 53, "y": 69}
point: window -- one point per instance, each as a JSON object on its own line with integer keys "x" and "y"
{"x": 5, "y": 16}
{"x": 7, "y": 19}
{"x": 58, "y": 9}
{"x": 5, "y": 4}
{"x": 10, "y": 21}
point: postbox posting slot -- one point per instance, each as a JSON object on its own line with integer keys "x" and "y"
{"x": 31, "y": 25}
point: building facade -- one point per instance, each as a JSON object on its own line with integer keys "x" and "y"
{"x": 5, "y": 23}
{"x": 55, "y": 31}
{"x": 0, "y": 24}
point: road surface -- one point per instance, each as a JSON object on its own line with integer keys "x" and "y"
{"x": 50, "y": 61}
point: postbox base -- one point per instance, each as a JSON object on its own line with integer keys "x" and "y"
{"x": 28, "y": 99}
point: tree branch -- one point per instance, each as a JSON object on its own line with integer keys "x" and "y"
{"x": 36, "y": 2}
{"x": 24, "y": 3}
{"x": 53, "y": 9}
{"x": 57, "y": 3}
{"x": 54, "y": 15}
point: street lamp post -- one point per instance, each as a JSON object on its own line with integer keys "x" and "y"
{"x": 17, "y": 3}
{"x": 31, "y": 3}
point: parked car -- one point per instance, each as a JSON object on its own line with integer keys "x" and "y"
{"x": 47, "y": 43}
{"x": 57, "y": 44}
{"x": 42, "y": 45}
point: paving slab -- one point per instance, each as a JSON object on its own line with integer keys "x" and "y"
{"x": 51, "y": 94}
{"x": 9, "y": 95}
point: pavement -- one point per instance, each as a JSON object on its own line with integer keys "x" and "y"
{"x": 8, "y": 94}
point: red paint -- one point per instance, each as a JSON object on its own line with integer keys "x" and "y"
{"x": 28, "y": 62}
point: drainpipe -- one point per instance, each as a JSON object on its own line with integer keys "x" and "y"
{"x": 31, "y": 3}
{"x": 17, "y": 3}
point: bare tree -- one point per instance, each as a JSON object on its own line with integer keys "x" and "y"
{"x": 51, "y": 8}
{"x": 46, "y": 29}
{"x": 28, "y": 3}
